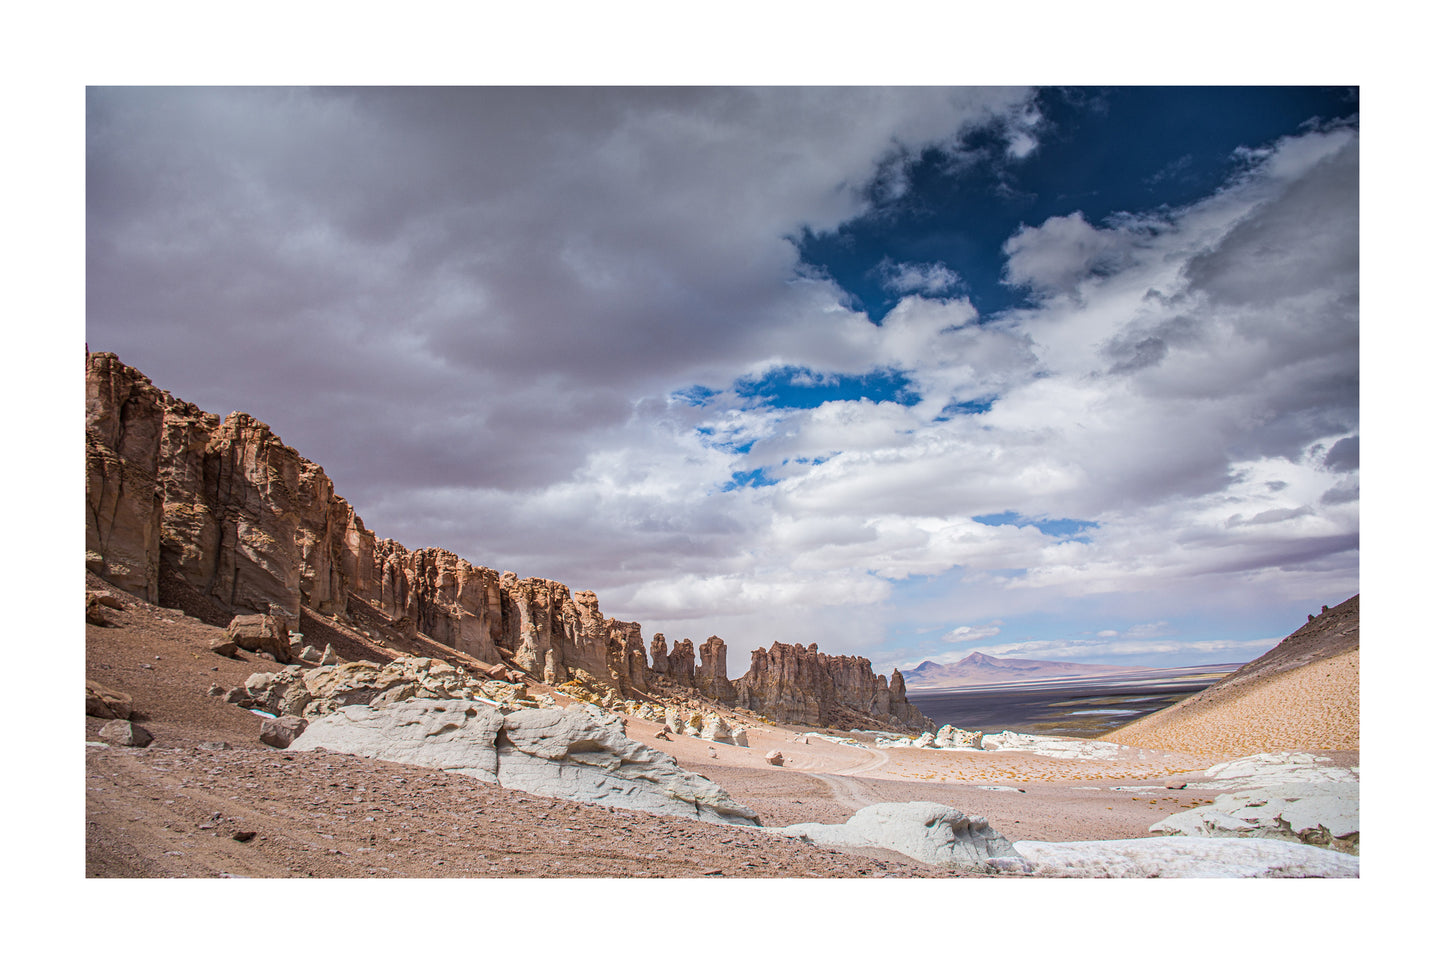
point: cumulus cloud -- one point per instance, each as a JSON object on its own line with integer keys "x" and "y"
{"x": 930, "y": 279}
{"x": 966, "y": 634}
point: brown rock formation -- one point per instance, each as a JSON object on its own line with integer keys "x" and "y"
{"x": 712, "y": 677}
{"x": 229, "y": 520}
{"x": 242, "y": 520}
{"x": 794, "y": 684}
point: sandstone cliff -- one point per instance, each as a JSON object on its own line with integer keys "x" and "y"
{"x": 228, "y": 520}
{"x": 247, "y": 524}
{"x": 794, "y": 684}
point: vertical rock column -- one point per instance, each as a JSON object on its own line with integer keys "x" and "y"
{"x": 712, "y": 677}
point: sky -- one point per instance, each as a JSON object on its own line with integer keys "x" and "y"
{"x": 907, "y": 372}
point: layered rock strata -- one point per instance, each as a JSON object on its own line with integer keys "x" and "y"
{"x": 796, "y": 684}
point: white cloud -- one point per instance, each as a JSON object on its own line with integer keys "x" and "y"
{"x": 930, "y": 279}
{"x": 966, "y": 634}
{"x": 492, "y": 353}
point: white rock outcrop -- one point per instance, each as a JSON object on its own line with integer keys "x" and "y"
{"x": 459, "y": 736}
{"x": 585, "y": 756}
{"x": 931, "y": 832}
{"x": 1059, "y": 747}
{"x": 577, "y": 754}
{"x": 1185, "y": 857}
{"x": 1296, "y": 797}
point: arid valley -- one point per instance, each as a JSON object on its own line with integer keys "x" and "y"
{"x": 198, "y": 765}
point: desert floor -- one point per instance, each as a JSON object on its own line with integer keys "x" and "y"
{"x": 176, "y": 808}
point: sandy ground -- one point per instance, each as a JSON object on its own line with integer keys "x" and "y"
{"x": 1316, "y": 706}
{"x": 174, "y": 809}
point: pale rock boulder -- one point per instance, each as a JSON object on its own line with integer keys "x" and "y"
{"x": 261, "y": 634}
{"x": 950, "y": 737}
{"x": 931, "y": 832}
{"x": 1263, "y": 769}
{"x": 583, "y": 754}
{"x": 282, "y": 732}
{"x": 1322, "y": 814}
{"x": 1059, "y": 747}
{"x": 1185, "y": 857}
{"x": 775, "y": 758}
{"x": 313, "y": 693}
{"x": 125, "y": 733}
{"x": 580, "y": 753}
{"x": 458, "y": 736}
{"x": 1297, "y": 797}
{"x": 716, "y": 730}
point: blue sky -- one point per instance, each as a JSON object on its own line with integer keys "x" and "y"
{"x": 906, "y": 372}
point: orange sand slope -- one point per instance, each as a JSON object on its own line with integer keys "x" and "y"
{"x": 1303, "y": 694}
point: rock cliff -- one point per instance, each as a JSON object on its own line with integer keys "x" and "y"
{"x": 796, "y": 684}
{"x": 248, "y": 524}
{"x": 228, "y": 520}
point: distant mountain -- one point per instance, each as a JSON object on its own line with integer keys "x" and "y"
{"x": 976, "y": 669}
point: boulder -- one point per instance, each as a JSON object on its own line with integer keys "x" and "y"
{"x": 775, "y": 758}
{"x": 579, "y": 753}
{"x": 103, "y": 598}
{"x": 95, "y": 613}
{"x": 265, "y": 634}
{"x": 107, "y": 704}
{"x": 1185, "y": 857}
{"x": 931, "y": 832}
{"x": 282, "y": 732}
{"x": 950, "y": 737}
{"x": 582, "y": 754}
{"x": 715, "y": 729}
{"x": 1322, "y": 814}
{"x": 310, "y": 655}
{"x": 224, "y": 647}
{"x": 458, "y": 736}
{"x": 125, "y": 733}
{"x": 329, "y": 658}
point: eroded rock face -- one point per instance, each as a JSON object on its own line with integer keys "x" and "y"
{"x": 796, "y": 684}
{"x": 232, "y": 512}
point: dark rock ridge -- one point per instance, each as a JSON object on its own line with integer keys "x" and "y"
{"x": 240, "y": 523}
